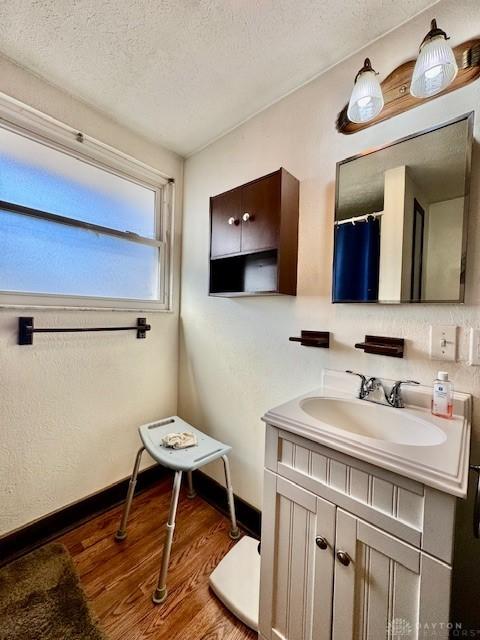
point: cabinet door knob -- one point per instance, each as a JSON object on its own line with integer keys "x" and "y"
{"x": 246, "y": 217}
{"x": 344, "y": 558}
{"x": 233, "y": 220}
{"x": 321, "y": 542}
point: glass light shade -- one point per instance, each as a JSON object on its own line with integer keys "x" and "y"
{"x": 435, "y": 68}
{"x": 366, "y": 100}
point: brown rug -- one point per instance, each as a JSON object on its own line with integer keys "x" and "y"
{"x": 41, "y": 599}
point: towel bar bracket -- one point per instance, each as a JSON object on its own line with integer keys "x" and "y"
{"x": 382, "y": 346}
{"x": 26, "y": 329}
{"x": 313, "y": 339}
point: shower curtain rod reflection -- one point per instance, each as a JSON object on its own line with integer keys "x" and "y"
{"x": 359, "y": 218}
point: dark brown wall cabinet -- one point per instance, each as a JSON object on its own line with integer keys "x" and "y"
{"x": 254, "y": 238}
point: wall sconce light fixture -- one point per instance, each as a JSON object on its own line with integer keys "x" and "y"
{"x": 437, "y": 70}
{"x": 366, "y": 100}
{"x": 435, "y": 67}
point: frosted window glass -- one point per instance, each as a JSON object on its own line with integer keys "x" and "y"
{"x": 38, "y": 256}
{"x": 39, "y": 177}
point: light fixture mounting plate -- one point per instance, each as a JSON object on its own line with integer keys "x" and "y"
{"x": 396, "y": 87}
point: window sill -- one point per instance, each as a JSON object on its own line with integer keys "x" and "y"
{"x": 48, "y": 302}
{"x": 49, "y": 307}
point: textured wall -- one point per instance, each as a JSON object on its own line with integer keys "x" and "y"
{"x": 70, "y": 404}
{"x": 236, "y": 360}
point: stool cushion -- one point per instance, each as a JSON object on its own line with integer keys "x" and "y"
{"x": 207, "y": 449}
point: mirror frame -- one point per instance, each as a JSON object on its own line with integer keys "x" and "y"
{"x": 469, "y": 117}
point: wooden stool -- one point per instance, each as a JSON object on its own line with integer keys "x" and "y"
{"x": 207, "y": 450}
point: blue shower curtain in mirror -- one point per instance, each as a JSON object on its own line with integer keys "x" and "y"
{"x": 356, "y": 262}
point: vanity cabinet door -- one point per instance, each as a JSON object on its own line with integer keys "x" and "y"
{"x": 261, "y": 213}
{"x": 385, "y": 588}
{"x": 226, "y": 229}
{"x": 296, "y": 584}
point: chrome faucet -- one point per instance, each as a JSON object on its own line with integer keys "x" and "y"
{"x": 369, "y": 385}
{"x": 394, "y": 398}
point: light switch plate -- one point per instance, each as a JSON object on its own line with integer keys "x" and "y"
{"x": 443, "y": 342}
{"x": 474, "y": 351}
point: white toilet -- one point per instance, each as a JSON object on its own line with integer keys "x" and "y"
{"x": 236, "y": 581}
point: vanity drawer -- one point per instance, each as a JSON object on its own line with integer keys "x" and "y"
{"x": 407, "y": 509}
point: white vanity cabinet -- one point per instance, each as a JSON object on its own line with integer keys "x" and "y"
{"x": 350, "y": 550}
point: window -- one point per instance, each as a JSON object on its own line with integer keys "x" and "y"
{"x": 77, "y": 232}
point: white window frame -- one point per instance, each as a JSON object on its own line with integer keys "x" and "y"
{"x": 23, "y": 119}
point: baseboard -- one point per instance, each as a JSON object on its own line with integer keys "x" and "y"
{"x": 45, "y": 529}
{"x": 248, "y": 517}
{"x": 27, "y": 538}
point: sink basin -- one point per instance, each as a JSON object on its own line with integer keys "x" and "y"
{"x": 374, "y": 421}
{"x": 409, "y": 442}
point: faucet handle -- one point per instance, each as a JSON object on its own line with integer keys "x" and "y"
{"x": 395, "y": 398}
{"x": 399, "y": 383}
{"x": 362, "y": 392}
{"x": 360, "y": 375}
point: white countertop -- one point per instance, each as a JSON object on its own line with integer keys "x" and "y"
{"x": 443, "y": 466}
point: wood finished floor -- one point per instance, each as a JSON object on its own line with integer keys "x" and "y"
{"x": 119, "y": 577}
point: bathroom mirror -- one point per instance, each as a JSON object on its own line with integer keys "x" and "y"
{"x": 401, "y": 218}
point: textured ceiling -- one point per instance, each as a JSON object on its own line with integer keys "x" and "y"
{"x": 185, "y": 71}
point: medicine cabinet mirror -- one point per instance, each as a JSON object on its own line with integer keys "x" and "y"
{"x": 401, "y": 219}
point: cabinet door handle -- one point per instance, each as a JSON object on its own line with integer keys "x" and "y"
{"x": 233, "y": 220}
{"x": 321, "y": 542}
{"x": 246, "y": 217}
{"x": 344, "y": 558}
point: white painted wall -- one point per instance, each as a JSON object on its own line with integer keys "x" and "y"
{"x": 70, "y": 404}
{"x": 392, "y": 236}
{"x": 236, "y": 360}
{"x": 444, "y": 249}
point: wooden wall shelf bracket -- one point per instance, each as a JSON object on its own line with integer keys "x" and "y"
{"x": 313, "y": 339}
{"x": 381, "y": 346}
{"x": 396, "y": 87}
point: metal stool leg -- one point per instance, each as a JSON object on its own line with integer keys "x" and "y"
{"x": 121, "y": 534}
{"x": 160, "y": 593}
{"x": 191, "y": 491}
{"x": 234, "y": 531}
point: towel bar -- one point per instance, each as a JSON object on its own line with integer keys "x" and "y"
{"x": 26, "y": 329}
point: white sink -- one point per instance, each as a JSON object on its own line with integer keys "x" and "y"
{"x": 374, "y": 421}
{"x": 410, "y": 441}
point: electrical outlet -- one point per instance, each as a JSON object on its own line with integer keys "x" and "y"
{"x": 443, "y": 343}
{"x": 474, "y": 352}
